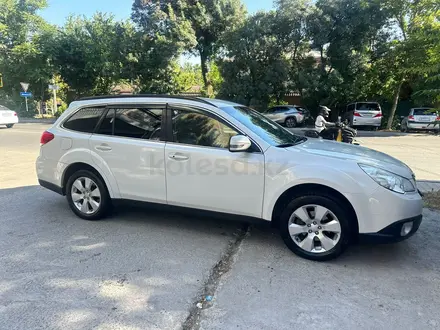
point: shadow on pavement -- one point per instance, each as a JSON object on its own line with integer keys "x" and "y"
{"x": 138, "y": 269}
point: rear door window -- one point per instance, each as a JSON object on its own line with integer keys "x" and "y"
{"x": 136, "y": 122}
{"x": 84, "y": 120}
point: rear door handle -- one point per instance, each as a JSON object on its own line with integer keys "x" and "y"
{"x": 177, "y": 156}
{"x": 103, "y": 147}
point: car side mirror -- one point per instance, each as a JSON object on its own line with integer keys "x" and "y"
{"x": 239, "y": 143}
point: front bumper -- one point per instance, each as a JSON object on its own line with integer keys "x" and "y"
{"x": 392, "y": 233}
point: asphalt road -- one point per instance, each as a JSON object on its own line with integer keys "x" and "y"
{"x": 147, "y": 269}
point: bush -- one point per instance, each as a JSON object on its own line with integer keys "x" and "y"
{"x": 63, "y": 107}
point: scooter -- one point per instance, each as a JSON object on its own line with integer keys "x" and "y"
{"x": 343, "y": 133}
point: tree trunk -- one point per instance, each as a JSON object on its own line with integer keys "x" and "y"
{"x": 205, "y": 70}
{"x": 394, "y": 107}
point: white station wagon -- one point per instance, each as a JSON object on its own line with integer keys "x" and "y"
{"x": 223, "y": 157}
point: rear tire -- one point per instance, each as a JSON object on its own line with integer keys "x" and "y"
{"x": 323, "y": 245}
{"x": 87, "y": 195}
{"x": 290, "y": 122}
{"x": 10, "y": 125}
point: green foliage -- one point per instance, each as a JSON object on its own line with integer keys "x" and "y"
{"x": 255, "y": 66}
{"x": 196, "y": 26}
{"x": 24, "y": 39}
{"x": 329, "y": 51}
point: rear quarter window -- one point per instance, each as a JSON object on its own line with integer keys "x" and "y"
{"x": 84, "y": 120}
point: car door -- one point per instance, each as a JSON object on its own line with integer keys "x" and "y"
{"x": 202, "y": 173}
{"x": 128, "y": 143}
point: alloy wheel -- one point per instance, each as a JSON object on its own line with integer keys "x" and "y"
{"x": 314, "y": 228}
{"x": 86, "y": 195}
{"x": 290, "y": 122}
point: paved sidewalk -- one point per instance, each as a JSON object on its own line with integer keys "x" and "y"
{"x": 428, "y": 186}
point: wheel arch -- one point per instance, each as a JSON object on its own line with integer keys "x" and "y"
{"x": 74, "y": 167}
{"x": 312, "y": 188}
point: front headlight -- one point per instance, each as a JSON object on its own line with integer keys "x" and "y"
{"x": 388, "y": 180}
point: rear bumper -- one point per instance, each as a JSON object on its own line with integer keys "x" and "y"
{"x": 8, "y": 120}
{"x": 393, "y": 232}
{"x": 422, "y": 126}
{"x": 370, "y": 121}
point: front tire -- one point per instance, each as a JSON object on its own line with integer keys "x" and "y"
{"x": 290, "y": 122}
{"x": 87, "y": 195}
{"x": 315, "y": 227}
{"x": 10, "y": 125}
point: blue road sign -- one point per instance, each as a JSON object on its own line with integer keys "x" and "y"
{"x": 26, "y": 94}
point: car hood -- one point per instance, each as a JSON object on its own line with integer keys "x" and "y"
{"x": 359, "y": 154}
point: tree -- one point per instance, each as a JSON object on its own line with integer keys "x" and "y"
{"x": 344, "y": 34}
{"x": 199, "y": 25}
{"x": 255, "y": 68}
{"x": 24, "y": 40}
{"x": 407, "y": 50}
{"x": 90, "y": 53}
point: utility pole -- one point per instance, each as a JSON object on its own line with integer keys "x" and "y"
{"x": 54, "y": 88}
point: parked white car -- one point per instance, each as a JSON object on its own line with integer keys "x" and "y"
{"x": 420, "y": 119}
{"x": 224, "y": 157}
{"x": 8, "y": 117}
{"x": 367, "y": 114}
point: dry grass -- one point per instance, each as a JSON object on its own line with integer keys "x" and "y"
{"x": 432, "y": 199}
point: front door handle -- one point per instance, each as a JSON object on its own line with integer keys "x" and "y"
{"x": 103, "y": 147}
{"x": 177, "y": 156}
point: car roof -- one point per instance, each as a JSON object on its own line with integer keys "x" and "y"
{"x": 219, "y": 103}
{"x": 132, "y": 98}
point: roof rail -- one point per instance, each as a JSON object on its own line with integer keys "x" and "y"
{"x": 143, "y": 95}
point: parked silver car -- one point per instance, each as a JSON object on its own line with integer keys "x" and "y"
{"x": 288, "y": 115}
{"x": 420, "y": 119}
{"x": 364, "y": 114}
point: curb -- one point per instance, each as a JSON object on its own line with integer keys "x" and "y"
{"x": 36, "y": 121}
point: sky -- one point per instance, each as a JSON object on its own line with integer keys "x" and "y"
{"x": 58, "y": 10}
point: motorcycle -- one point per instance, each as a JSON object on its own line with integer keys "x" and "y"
{"x": 342, "y": 133}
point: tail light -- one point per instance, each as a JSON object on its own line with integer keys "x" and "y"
{"x": 411, "y": 117}
{"x": 15, "y": 114}
{"x": 357, "y": 114}
{"x": 438, "y": 118}
{"x": 46, "y": 137}
{"x": 378, "y": 115}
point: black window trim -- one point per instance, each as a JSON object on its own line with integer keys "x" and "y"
{"x": 115, "y": 106}
{"x": 103, "y": 106}
{"x": 169, "y": 127}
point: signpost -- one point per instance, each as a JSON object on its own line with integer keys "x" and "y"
{"x": 54, "y": 88}
{"x": 25, "y": 94}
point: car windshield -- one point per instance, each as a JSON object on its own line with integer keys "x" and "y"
{"x": 269, "y": 131}
{"x": 367, "y": 106}
{"x": 3, "y": 107}
{"x": 424, "y": 112}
